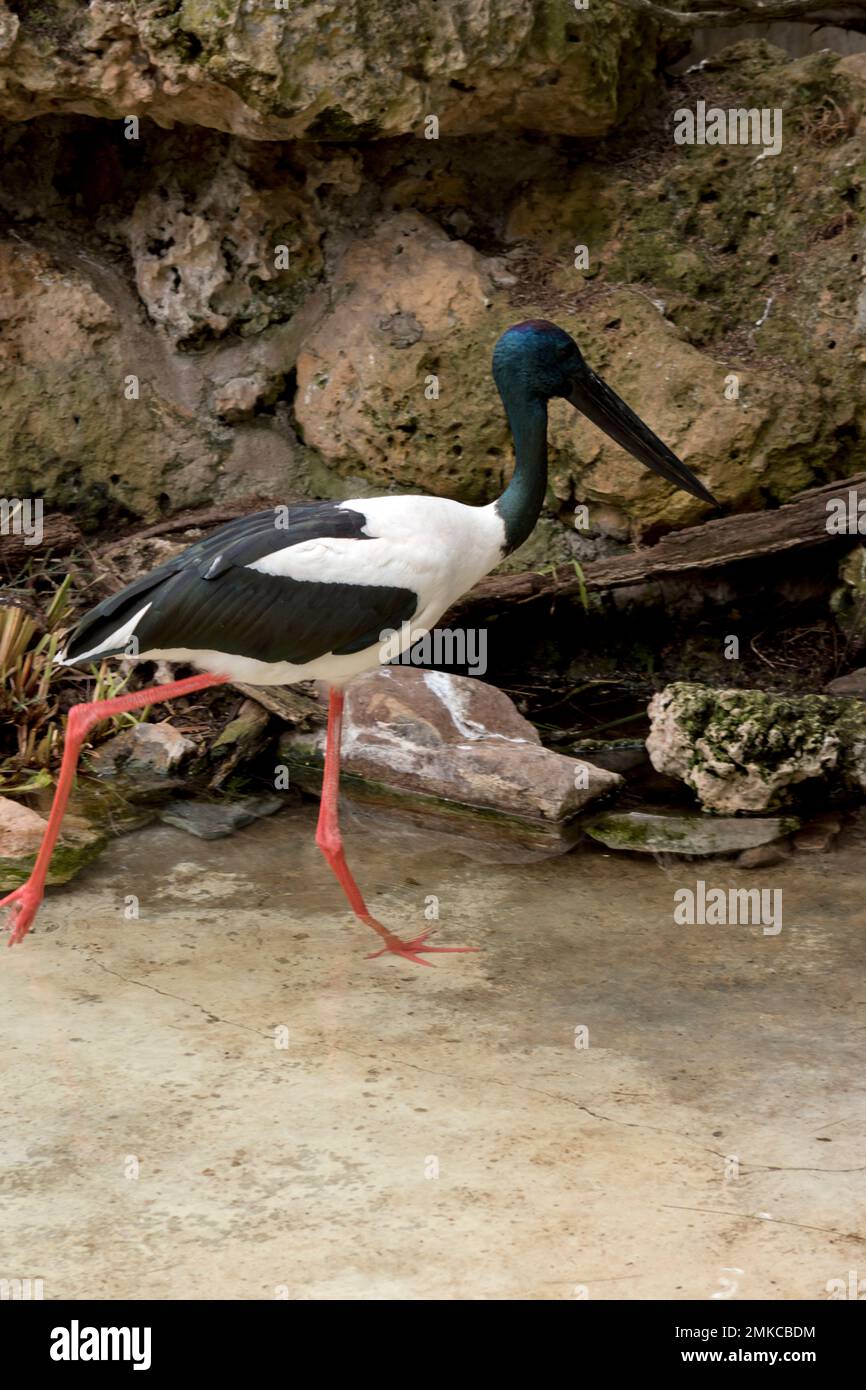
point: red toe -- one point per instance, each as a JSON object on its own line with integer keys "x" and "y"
{"x": 413, "y": 950}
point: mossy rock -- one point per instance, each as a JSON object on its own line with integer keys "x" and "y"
{"x": 80, "y": 845}
{"x": 848, "y": 602}
{"x": 754, "y": 751}
{"x": 691, "y": 834}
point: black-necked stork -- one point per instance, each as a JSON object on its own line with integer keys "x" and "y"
{"x": 311, "y": 591}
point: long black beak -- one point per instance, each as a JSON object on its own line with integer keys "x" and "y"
{"x": 594, "y": 399}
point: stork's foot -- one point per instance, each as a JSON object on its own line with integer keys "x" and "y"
{"x": 412, "y": 950}
{"x": 23, "y": 904}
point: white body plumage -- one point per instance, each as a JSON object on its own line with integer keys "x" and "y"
{"x": 433, "y": 546}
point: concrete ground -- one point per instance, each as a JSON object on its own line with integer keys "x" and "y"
{"x": 431, "y": 1133}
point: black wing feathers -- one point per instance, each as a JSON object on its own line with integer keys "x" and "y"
{"x": 207, "y": 600}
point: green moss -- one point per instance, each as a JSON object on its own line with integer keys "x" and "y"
{"x": 68, "y": 859}
{"x": 626, "y": 834}
{"x": 336, "y": 124}
{"x": 768, "y": 727}
{"x": 693, "y": 833}
{"x": 718, "y": 225}
{"x": 55, "y": 20}
{"x": 731, "y": 732}
{"x": 203, "y": 15}
{"x": 848, "y": 602}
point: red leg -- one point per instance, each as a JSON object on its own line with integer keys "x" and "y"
{"x": 25, "y": 900}
{"x": 330, "y": 843}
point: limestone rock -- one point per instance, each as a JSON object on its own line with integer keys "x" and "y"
{"x": 747, "y": 750}
{"x": 9, "y": 26}
{"x": 97, "y": 410}
{"x": 684, "y": 833}
{"x": 21, "y": 831}
{"x": 214, "y": 820}
{"x": 410, "y": 317}
{"x": 230, "y": 246}
{"x": 623, "y": 755}
{"x": 327, "y": 69}
{"x": 237, "y": 396}
{"x": 136, "y": 555}
{"x": 68, "y": 431}
{"x": 212, "y": 260}
{"x": 848, "y": 602}
{"x": 818, "y": 836}
{"x": 453, "y": 750}
{"x": 764, "y": 856}
{"x": 853, "y": 685}
{"x": 147, "y": 749}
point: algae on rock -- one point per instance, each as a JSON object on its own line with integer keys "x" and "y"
{"x": 752, "y": 751}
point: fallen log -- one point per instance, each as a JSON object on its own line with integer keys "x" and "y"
{"x": 58, "y": 533}
{"x": 207, "y": 517}
{"x": 292, "y": 704}
{"x": 802, "y": 522}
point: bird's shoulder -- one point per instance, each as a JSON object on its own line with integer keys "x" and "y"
{"x": 418, "y": 515}
{"x": 253, "y": 538}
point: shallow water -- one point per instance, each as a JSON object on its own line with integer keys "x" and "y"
{"x": 599, "y": 1100}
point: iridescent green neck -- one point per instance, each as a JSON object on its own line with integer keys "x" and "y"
{"x": 521, "y": 502}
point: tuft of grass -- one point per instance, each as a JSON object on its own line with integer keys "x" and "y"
{"x": 581, "y": 585}
{"x": 550, "y": 570}
{"x": 32, "y": 688}
{"x": 28, "y": 704}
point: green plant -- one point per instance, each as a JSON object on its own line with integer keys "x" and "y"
{"x": 32, "y": 687}
{"x": 550, "y": 570}
{"x": 581, "y": 585}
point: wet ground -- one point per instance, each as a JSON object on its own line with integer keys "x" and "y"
{"x": 221, "y": 1097}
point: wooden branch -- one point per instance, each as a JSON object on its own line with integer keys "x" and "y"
{"x": 289, "y": 703}
{"x": 207, "y": 516}
{"x": 801, "y": 522}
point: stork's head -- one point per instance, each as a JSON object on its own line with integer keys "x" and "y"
{"x": 537, "y": 360}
